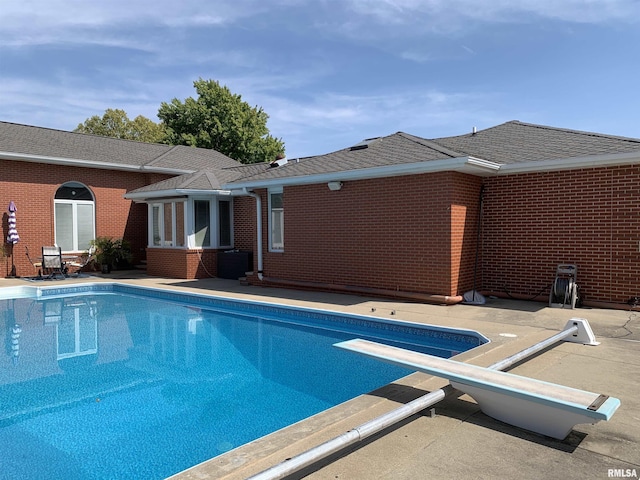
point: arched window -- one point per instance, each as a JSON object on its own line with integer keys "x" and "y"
{"x": 74, "y": 217}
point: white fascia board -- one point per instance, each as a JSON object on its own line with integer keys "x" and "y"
{"x": 73, "y": 162}
{"x": 179, "y": 192}
{"x": 470, "y": 165}
{"x": 591, "y": 161}
{"x": 171, "y": 171}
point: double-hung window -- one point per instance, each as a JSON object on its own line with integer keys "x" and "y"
{"x": 276, "y": 220}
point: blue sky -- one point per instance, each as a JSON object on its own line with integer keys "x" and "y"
{"x": 329, "y": 72}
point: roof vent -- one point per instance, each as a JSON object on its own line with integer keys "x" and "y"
{"x": 474, "y": 131}
{"x": 363, "y": 144}
{"x": 278, "y": 163}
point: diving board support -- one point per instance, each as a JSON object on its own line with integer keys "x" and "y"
{"x": 584, "y": 334}
{"x": 542, "y": 407}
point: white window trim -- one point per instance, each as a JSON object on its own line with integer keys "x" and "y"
{"x": 189, "y": 223}
{"x": 174, "y": 224}
{"x": 74, "y": 213}
{"x": 277, "y": 248}
{"x": 217, "y": 224}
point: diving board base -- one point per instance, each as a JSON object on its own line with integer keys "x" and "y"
{"x": 530, "y": 415}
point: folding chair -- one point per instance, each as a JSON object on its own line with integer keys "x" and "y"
{"x": 82, "y": 261}
{"x": 52, "y": 262}
{"x": 37, "y": 264}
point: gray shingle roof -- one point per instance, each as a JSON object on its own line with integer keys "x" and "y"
{"x": 94, "y": 149}
{"x": 516, "y": 142}
{"x": 203, "y": 179}
{"x": 509, "y": 143}
{"x": 394, "y": 149}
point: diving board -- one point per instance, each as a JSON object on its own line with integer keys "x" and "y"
{"x": 542, "y": 407}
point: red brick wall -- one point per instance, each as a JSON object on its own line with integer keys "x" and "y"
{"x": 244, "y": 224}
{"x": 33, "y": 186}
{"x": 180, "y": 263}
{"x": 367, "y": 234}
{"x": 590, "y": 217}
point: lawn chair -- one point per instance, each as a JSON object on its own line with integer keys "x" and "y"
{"x": 83, "y": 260}
{"x": 52, "y": 262}
{"x": 37, "y": 264}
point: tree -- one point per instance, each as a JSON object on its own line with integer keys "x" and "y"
{"x": 115, "y": 123}
{"x": 220, "y": 120}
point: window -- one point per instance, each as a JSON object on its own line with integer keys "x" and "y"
{"x": 224, "y": 223}
{"x": 210, "y": 212}
{"x": 167, "y": 224}
{"x": 202, "y": 221}
{"x": 74, "y": 212}
{"x": 276, "y": 217}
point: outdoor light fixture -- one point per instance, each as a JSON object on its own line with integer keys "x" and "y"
{"x": 334, "y": 185}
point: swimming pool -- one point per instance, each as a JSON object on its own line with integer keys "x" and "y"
{"x": 116, "y": 381}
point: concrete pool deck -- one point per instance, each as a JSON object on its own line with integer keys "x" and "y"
{"x": 459, "y": 441}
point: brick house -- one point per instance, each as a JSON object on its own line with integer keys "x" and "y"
{"x": 396, "y": 216}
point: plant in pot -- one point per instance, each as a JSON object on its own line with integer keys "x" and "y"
{"x": 111, "y": 252}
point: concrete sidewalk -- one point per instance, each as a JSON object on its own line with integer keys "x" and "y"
{"x": 460, "y": 441}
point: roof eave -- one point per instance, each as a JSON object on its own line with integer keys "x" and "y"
{"x": 590, "y": 161}
{"x": 174, "y": 193}
{"x": 73, "y": 162}
{"x": 470, "y": 165}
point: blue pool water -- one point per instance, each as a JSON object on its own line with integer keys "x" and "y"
{"x": 109, "y": 381}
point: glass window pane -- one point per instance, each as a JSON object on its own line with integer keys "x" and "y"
{"x": 180, "y": 224}
{"x": 85, "y": 226}
{"x": 64, "y": 226}
{"x": 276, "y": 200}
{"x": 277, "y": 240}
{"x": 202, "y": 213}
{"x": 224, "y": 222}
{"x": 168, "y": 224}
{"x": 156, "y": 224}
{"x": 276, "y": 205}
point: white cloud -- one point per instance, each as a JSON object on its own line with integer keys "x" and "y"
{"x": 341, "y": 120}
{"x": 489, "y": 11}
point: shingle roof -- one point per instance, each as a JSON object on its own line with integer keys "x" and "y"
{"x": 509, "y": 143}
{"x": 94, "y": 149}
{"x": 206, "y": 179}
{"x": 394, "y": 149}
{"x": 515, "y": 142}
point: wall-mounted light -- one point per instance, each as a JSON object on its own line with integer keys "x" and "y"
{"x": 334, "y": 185}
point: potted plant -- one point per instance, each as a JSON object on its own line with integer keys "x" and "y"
{"x": 111, "y": 253}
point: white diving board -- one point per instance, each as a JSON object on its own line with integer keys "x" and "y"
{"x": 542, "y": 407}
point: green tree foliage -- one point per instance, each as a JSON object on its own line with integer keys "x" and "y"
{"x": 115, "y": 123}
{"x": 220, "y": 120}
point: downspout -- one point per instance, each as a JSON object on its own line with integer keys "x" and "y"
{"x": 258, "y": 228}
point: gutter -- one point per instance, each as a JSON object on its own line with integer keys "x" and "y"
{"x": 72, "y": 162}
{"x": 258, "y": 228}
